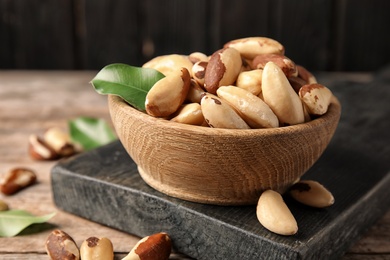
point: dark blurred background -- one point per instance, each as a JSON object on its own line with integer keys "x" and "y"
{"x": 327, "y": 35}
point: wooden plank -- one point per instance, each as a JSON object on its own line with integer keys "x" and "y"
{"x": 361, "y": 35}
{"x": 36, "y": 34}
{"x": 111, "y": 34}
{"x": 355, "y": 168}
{"x": 174, "y": 27}
{"x": 303, "y": 28}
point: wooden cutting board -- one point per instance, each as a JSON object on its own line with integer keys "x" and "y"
{"x": 103, "y": 185}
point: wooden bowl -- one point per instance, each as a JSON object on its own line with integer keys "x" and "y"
{"x": 220, "y": 166}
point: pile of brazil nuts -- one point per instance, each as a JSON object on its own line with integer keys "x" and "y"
{"x": 247, "y": 84}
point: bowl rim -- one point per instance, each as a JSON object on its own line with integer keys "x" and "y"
{"x": 334, "y": 112}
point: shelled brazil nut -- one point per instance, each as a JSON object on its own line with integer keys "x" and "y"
{"x": 253, "y": 68}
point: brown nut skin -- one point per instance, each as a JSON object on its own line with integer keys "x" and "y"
{"x": 38, "y": 149}
{"x": 222, "y": 69}
{"x": 199, "y": 71}
{"x": 168, "y": 94}
{"x": 287, "y": 65}
{"x": 59, "y": 245}
{"x": 156, "y": 246}
{"x": 17, "y": 179}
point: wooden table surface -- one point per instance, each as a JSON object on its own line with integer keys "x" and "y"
{"x": 31, "y": 102}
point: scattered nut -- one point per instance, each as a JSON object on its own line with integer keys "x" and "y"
{"x": 59, "y": 245}
{"x": 311, "y": 193}
{"x": 219, "y": 114}
{"x": 40, "y": 150}
{"x": 17, "y": 179}
{"x": 3, "y": 206}
{"x": 168, "y": 94}
{"x": 280, "y": 96}
{"x": 95, "y": 248}
{"x": 59, "y": 141}
{"x": 222, "y": 69}
{"x": 316, "y": 97}
{"x": 255, "y": 112}
{"x": 156, "y": 246}
{"x": 274, "y": 215}
{"x": 250, "y": 47}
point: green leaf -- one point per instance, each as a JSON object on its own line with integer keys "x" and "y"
{"x": 12, "y": 222}
{"x": 130, "y": 83}
{"x": 91, "y": 132}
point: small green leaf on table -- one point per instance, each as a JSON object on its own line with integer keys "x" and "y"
{"x": 130, "y": 83}
{"x": 12, "y": 222}
{"x": 91, "y": 132}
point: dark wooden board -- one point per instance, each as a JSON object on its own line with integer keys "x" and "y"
{"x": 103, "y": 185}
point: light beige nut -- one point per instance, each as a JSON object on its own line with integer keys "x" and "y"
{"x": 3, "y": 206}
{"x": 273, "y": 213}
{"x": 17, "y": 179}
{"x": 219, "y": 114}
{"x": 250, "y": 81}
{"x": 40, "y": 150}
{"x": 280, "y": 96}
{"x": 195, "y": 92}
{"x": 189, "y": 114}
{"x": 94, "y": 248}
{"x": 59, "y": 140}
{"x": 199, "y": 71}
{"x": 198, "y": 56}
{"x": 156, "y": 246}
{"x": 255, "y": 112}
{"x": 168, "y": 64}
{"x": 59, "y": 245}
{"x": 287, "y": 65}
{"x": 306, "y": 75}
{"x": 316, "y": 97}
{"x": 222, "y": 69}
{"x": 250, "y": 47}
{"x": 311, "y": 193}
{"x": 168, "y": 94}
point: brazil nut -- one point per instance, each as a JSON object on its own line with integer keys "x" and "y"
{"x": 222, "y": 69}
{"x": 168, "y": 94}
{"x": 219, "y": 114}
{"x": 250, "y": 47}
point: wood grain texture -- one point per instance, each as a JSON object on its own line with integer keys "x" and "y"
{"x": 237, "y": 165}
{"x": 36, "y": 34}
{"x": 31, "y": 101}
{"x": 87, "y": 34}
